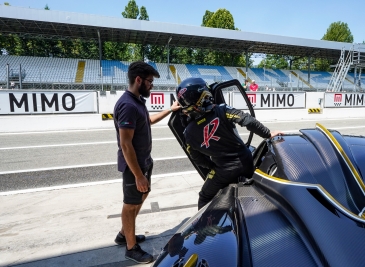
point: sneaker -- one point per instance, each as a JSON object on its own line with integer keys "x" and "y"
{"x": 120, "y": 239}
{"x": 138, "y": 255}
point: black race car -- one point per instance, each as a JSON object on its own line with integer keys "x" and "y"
{"x": 304, "y": 207}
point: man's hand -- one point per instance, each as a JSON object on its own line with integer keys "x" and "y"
{"x": 142, "y": 184}
{"x": 276, "y": 133}
{"x": 175, "y": 106}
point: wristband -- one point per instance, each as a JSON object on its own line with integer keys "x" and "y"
{"x": 171, "y": 110}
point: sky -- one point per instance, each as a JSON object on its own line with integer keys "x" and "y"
{"x": 295, "y": 18}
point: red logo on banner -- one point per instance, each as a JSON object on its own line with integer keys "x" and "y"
{"x": 157, "y": 100}
{"x": 337, "y": 100}
{"x": 252, "y": 98}
{"x": 210, "y": 135}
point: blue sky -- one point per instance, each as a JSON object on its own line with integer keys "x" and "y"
{"x": 298, "y": 18}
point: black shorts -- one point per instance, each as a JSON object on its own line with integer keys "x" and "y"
{"x": 130, "y": 192}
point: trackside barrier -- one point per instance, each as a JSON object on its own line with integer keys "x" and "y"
{"x": 18, "y": 102}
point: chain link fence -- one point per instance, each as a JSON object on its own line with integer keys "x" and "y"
{"x": 272, "y": 84}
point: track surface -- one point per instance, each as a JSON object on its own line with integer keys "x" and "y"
{"x": 44, "y": 159}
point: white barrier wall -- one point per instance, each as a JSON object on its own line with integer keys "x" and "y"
{"x": 16, "y": 102}
{"x": 269, "y": 100}
{"x": 158, "y": 100}
{"x": 261, "y": 101}
{"x": 343, "y": 100}
{"x": 337, "y": 105}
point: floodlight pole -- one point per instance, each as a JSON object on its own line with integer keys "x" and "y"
{"x": 168, "y": 58}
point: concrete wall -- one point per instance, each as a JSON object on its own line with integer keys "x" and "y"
{"x": 64, "y": 122}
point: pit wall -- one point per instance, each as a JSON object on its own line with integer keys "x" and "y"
{"x": 105, "y": 105}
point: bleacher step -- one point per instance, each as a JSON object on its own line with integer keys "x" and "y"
{"x": 80, "y": 72}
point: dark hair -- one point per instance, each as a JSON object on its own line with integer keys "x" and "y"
{"x": 141, "y": 69}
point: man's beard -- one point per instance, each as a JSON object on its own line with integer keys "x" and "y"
{"x": 143, "y": 91}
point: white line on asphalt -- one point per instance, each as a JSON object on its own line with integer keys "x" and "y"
{"x": 64, "y": 131}
{"x": 72, "y": 131}
{"x": 315, "y": 120}
{"x": 33, "y": 190}
{"x": 82, "y": 166}
{"x": 158, "y": 127}
{"x": 78, "y": 144}
{"x": 154, "y": 139}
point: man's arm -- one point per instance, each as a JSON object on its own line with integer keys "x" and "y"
{"x": 159, "y": 116}
{"x": 126, "y": 136}
{"x": 245, "y": 119}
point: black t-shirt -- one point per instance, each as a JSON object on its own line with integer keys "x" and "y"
{"x": 131, "y": 112}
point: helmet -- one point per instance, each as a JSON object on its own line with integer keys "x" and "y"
{"x": 194, "y": 96}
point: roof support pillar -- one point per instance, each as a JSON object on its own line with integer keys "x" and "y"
{"x": 20, "y": 77}
{"x": 247, "y": 59}
{"x": 100, "y": 52}
{"x": 309, "y": 69}
{"x": 168, "y": 58}
{"x": 7, "y": 76}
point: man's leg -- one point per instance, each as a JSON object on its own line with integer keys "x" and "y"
{"x": 129, "y": 215}
{"x": 213, "y": 183}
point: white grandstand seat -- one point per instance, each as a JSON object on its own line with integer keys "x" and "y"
{"x": 182, "y": 71}
{"x": 235, "y": 74}
{"x": 63, "y": 70}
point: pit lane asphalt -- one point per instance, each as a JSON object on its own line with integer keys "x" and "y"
{"x": 44, "y": 159}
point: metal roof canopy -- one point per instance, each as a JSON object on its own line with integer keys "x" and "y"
{"x": 29, "y": 22}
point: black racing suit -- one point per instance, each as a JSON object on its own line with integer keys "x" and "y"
{"x": 215, "y": 135}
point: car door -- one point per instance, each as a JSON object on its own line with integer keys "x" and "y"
{"x": 223, "y": 93}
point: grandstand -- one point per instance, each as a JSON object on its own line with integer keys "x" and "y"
{"x": 66, "y": 73}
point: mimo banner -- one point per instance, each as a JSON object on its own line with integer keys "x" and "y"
{"x": 47, "y": 102}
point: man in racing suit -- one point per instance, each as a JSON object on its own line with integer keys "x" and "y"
{"x": 212, "y": 139}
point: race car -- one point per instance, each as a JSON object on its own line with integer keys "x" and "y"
{"x": 305, "y": 205}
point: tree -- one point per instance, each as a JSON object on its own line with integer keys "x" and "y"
{"x": 131, "y": 10}
{"x": 143, "y": 14}
{"x": 208, "y": 14}
{"x": 6, "y": 4}
{"x": 222, "y": 19}
{"x": 338, "y": 32}
{"x": 46, "y": 7}
{"x": 274, "y": 62}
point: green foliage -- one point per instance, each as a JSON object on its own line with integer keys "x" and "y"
{"x": 6, "y": 4}
{"x": 208, "y": 14}
{"x": 46, "y": 7}
{"x": 222, "y": 19}
{"x": 339, "y": 32}
{"x": 274, "y": 62}
{"x": 131, "y": 10}
{"x": 143, "y": 14}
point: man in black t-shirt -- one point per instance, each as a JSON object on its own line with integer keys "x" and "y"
{"x": 212, "y": 139}
{"x": 133, "y": 127}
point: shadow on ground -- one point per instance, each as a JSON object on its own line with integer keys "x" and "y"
{"x": 111, "y": 256}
